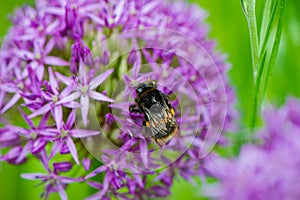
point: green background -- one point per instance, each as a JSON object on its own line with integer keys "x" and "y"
{"x": 229, "y": 27}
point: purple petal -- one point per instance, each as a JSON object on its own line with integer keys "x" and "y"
{"x": 47, "y": 132}
{"x": 62, "y": 166}
{"x": 64, "y": 79}
{"x": 61, "y": 191}
{"x": 94, "y": 184}
{"x": 8, "y": 135}
{"x": 76, "y": 51}
{"x": 149, "y": 7}
{"x": 35, "y": 176}
{"x": 128, "y": 144}
{"x": 73, "y": 65}
{"x": 96, "y": 171}
{"x": 144, "y": 152}
{"x": 138, "y": 179}
{"x": 64, "y": 149}
{"x": 12, "y": 154}
{"x": 56, "y": 148}
{"x": 56, "y": 10}
{"x": 48, "y": 48}
{"x": 23, "y": 54}
{"x": 44, "y": 120}
{"x": 95, "y": 19}
{"x": 38, "y": 146}
{"x": 96, "y": 196}
{"x": 69, "y": 98}
{"x": 40, "y": 69}
{"x": 72, "y": 104}
{"x": 104, "y": 60}
{"x": 71, "y": 119}
{"x": 8, "y": 87}
{"x": 95, "y": 82}
{"x": 109, "y": 119}
{"x": 52, "y": 27}
{"x": 119, "y": 10}
{"x": 24, "y": 152}
{"x": 87, "y": 56}
{"x": 86, "y": 162}
{"x": 81, "y": 133}
{"x": 56, "y": 61}
{"x": 2, "y": 96}
{"x": 82, "y": 73}
{"x": 122, "y": 105}
{"x": 58, "y": 116}
{"x": 41, "y": 111}
{"x": 72, "y": 149}
{"x": 67, "y": 90}
{"x": 67, "y": 180}
{"x": 160, "y": 191}
{"x": 149, "y": 57}
{"x": 45, "y": 160}
{"x": 100, "y": 97}
{"x": 85, "y": 101}
{"x": 106, "y": 181}
{"x": 11, "y": 103}
{"x": 53, "y": 82}
{"x": 26, "y": 118}
{"x": 136, "y": 66}
{"x": 105, "y": 159}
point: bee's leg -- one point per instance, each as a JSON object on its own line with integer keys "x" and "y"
{"x": 171, "y": 108}
{"x": 166, "y": 97}
{"x": 148, "y": 133}
{"x": 134, "y": 108}
{"x": 154, "y": 84}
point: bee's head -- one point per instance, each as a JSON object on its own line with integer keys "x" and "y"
{"x": 143, "y": 87}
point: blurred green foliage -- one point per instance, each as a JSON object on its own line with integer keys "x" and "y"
{"x": 229, "y": 27}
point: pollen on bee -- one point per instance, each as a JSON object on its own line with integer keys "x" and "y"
{"x": 147, "y": 124}
{"x": 173, "y": 111}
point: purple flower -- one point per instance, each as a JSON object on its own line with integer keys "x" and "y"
{"x": 52, "y": 96}
{"x": 52, "y": 180}
{"x": 63, "y": 58}
{"x": 66, "y": 134}
{"x": 85, "y": 90}
{"x": 269, "y": 170}
{"x": 35, "y": 137}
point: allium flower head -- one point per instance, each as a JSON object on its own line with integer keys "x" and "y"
{"x": 269, "y": 170}
{"x": 70, "y": 70}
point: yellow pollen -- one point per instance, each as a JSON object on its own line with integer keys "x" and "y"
{"x": 173, "y": 111}
{"x": 147, "y": 124}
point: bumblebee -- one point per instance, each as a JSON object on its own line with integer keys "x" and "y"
{"x": 159, "y": 115}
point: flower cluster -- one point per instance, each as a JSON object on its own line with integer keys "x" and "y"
{"x": 68, "y": 72}
{"x": 269, "y": 170}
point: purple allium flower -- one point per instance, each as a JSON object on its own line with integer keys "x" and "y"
{"x": 52, "y": 181}
{"x": 63, "y": 58}
{"x": 268, "y": 170}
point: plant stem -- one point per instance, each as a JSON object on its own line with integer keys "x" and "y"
{"x": 263, "y": 62}
{"x": 249, "y": 11}
{"x": 257, "y": 89}
{"x": 275, "y": 45}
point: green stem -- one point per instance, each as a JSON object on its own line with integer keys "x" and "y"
{"x": 249, "y": 11}
{"x": 266, "y": 68}
{"x": 275, "y": 46}
{"x": 263, "y": 63}
{"x": 265, "y": 20}
{"x": 266, "y": 32}
{"x": 257, "y": 90}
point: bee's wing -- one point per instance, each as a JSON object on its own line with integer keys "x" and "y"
{"x": 159, "y": 120}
